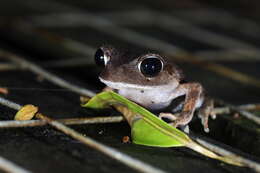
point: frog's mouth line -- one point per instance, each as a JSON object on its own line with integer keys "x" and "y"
{"x": 120, "y": 85}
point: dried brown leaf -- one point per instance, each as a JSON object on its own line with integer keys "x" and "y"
{"x": 27, "y": 112}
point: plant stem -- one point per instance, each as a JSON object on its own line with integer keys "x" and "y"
{"x": 246, "y": 162}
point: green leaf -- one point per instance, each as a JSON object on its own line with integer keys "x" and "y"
{"x": 150, "y": 130}
{"x": 145, "y": 134}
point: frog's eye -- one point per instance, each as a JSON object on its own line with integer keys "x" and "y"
{"x": 100, "y": 58}
{"x": 150, "y": 66}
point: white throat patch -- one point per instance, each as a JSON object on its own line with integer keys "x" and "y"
{"x": 121, "y": 85}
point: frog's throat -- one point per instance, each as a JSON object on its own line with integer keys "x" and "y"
{"x": 120, "y": 85}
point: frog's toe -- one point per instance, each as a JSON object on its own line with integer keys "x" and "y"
{"x": 213, "y": 115}
{"x": 206, "y": 111}
{"x": 168, "y": 116}
{"x": 176, "y": 121}
{"x": 204, "y": 116}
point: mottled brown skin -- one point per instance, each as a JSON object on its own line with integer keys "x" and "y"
{"x": 122, "y": 62}
{"x": 122, "y": 75}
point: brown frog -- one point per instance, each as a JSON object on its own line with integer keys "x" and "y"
{"x": 153, "y": 81}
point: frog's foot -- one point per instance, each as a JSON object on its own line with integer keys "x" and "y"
{"x": 205, "y": 112}
{"x": 175, "y": 121}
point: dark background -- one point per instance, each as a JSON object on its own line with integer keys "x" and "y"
{"x": 39, "y": 31}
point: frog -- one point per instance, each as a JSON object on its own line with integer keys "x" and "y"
{"x": 153, "y": 81}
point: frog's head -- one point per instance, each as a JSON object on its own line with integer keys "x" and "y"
{"x": 122, "y": 69}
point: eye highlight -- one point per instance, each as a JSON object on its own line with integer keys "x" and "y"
{"x": 150, "y": 66}
{"x": 100, "y": 58}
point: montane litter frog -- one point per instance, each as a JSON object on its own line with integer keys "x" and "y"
{"x": 153, "y": 82}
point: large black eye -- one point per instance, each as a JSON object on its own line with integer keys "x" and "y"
{"x": 150, "y": 67}
{"x": 100, "y": 58}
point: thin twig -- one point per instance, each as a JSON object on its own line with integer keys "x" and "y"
{"x": 58, "y": 124}
{"x": 135, "y": 164}
{"x": 221, "y": 19}
{"x": 111, "y": 119}
{"x": 47, "y": 75}
{"x": 113, "y": 153}
{"x": 219, "y": 69}
{"x": 143, "y": 18}
{"x": 200, "y": 17}
{"x": 169, "y": 23}
{"x": 72, "y": 62}
{"x": 128, "y": 160}
{"x": 99, "y": 23}
{"x": 227, "y": 110}
{"x": 35, "y": 68}
{"x": 8, "y": 66}
{"x": 70, "y": 121}
{"x": 166, "y": 22}
{"x": 74, "y": 134}
{"x": 10, "y": 167}
{"x": 228, "y": 56}
{"x": 242, "y": 112}
{"x": 250, "y": 107}
{"x": 10, "y": 104}
{"x": 231, "y": 159}
{"x": 55, "y": 79}
{"x": 249, "y": 163}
